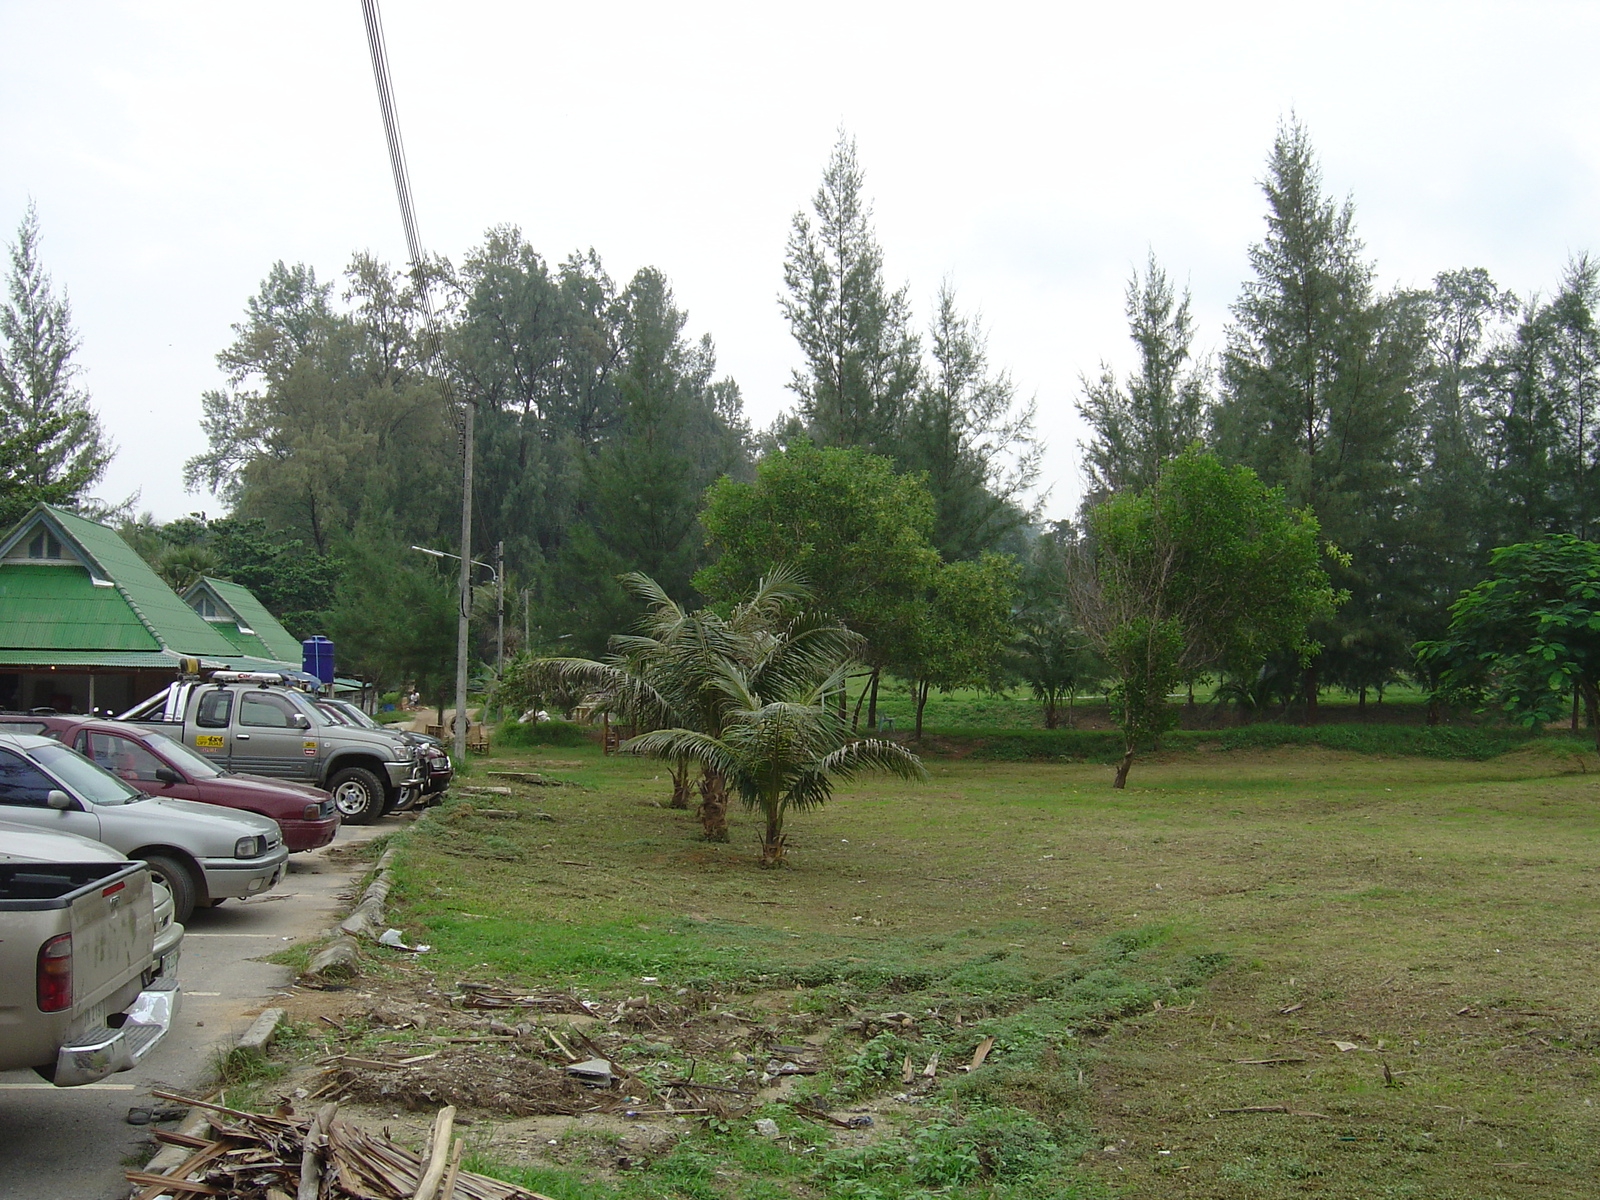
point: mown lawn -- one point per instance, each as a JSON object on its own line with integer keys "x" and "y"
{"x": 1146, "y": 961}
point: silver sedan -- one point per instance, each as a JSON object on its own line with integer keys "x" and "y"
{"x": 203, "y": 854}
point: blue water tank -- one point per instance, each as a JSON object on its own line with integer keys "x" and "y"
{"x": 316, "y": 657}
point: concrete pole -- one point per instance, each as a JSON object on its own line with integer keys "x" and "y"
{"x": 465, "y": 598}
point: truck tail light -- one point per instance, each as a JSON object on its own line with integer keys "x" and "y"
{"x": 55, "y": 974}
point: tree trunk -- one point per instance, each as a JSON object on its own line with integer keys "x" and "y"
{"x": 681, "y": 787}
{"x": 1121, "y": 780}
{"x": 872, "y": 704}
{"x": 920, "y": 689}
{"x": 1050, "y": 710}
{"x": 1361, "y": 700}
{"x": 855, "y": 713}
{"x": 1591, "y": 708}
{"x": 713, "y": 810}
{"x": 772, "y": 841}
{"x": 1576, "y": 695}
{"x": 1309, "y": 682}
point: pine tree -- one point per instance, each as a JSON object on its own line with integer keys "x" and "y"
{"x": 52, "y": 447}
{"x": 1163, "y": 408}
{"x": 861, "y": 365}
{"x": 971, "y": 437}
{"x": 1318, "y": 386}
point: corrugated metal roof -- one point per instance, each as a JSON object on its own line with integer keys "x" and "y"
{"x": 244, "y": 643}
{"x": 172, "y": 623}
{"x": 155, "y": 660}
{"x": 274, "y": 640}
{"x": 57, "y": 606}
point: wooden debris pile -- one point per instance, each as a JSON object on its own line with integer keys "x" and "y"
{"x": 278, "y": 1156}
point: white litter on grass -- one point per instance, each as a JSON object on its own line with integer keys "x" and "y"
{"x": 395, "y": 940}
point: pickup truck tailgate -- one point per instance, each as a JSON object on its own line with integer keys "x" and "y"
{"x": 106, "y": 910}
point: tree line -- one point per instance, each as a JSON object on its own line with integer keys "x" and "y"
{"x": 1416, "y": 430}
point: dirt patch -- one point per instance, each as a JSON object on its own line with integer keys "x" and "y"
{"x": 501, "y": 1057}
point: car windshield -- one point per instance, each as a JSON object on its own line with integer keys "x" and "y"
{"x": 181, "y": 756}
{"x": 357, "y": 717}
{"x": 85, "y": 778}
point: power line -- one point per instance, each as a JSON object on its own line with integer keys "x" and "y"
{"x": 462, "y": 412}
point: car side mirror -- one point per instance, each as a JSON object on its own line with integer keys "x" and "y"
{"x": 302, "y": 721}
{"x": 59, "y": 800}
{"x": 167, "y": 775}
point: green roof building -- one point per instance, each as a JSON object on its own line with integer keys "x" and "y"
{"x": 86, "y": 625}
{"x": 234, "y": 612}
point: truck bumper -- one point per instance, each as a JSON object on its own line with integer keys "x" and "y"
{"x": 145, "y": 1022}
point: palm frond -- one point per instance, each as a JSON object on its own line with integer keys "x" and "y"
{"x": 873, "y": 754}
{"x": 685, "y": 743}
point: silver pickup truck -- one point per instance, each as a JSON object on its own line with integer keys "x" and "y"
{"x": 254, "y": 724}
{"x": 88, "y": 953}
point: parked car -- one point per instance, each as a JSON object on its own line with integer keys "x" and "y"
{"x": 159, "y": 766}
{"x": 257, "y": 723}
{"x": 440, "y": 768}
{"x": 204, "y": 854}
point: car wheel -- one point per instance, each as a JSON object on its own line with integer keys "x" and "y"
{"x": 178, "y": 880}
{"x": 358, "y": 795}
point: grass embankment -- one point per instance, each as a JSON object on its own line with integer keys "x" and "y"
{"x": 1146, "y": 961}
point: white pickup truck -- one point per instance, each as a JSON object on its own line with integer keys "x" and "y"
{"x": 88, "y": 951}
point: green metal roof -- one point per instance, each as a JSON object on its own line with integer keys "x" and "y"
{"x": 155, "y": 660}
{"x": 266, "y": 639}
{"x": 58, "y": 607}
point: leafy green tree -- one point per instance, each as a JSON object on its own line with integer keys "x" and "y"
{"x": 1574, "y": 375}
{"x": 1206, "y": 569}
{"x": 960, "y": 635}
{"x": 1163, "y": 408}
{"x": 970, "y": 438}
{"x": 52, "y": 448}
{"x": 1528, "y": 636}
{"x": 332, "y": 418}
{"x": 1318, "y": 393}
{"x": 843, "y": 521}
{"x": 1467, "y": 317}
{"x": 861, "y": 355}
{"x": 295, "y": 582}
{"x": 680, "y": 429}
{"x": 394, "y": 619}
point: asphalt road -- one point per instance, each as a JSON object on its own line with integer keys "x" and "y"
{"x": 73, "y": 1143}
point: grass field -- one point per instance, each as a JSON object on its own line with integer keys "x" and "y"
{"x": 1254, "y": 973}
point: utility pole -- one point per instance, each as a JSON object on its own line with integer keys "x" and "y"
{"x": 465, "y": 411}
{"x": 500, "y": 610}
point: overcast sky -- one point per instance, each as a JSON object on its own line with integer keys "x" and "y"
{"x": 1030, "y": 153}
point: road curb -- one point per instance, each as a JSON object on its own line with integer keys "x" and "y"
{"x": 339, "y": 957}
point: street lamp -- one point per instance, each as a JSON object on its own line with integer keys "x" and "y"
{"x": 499, "y": 597}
